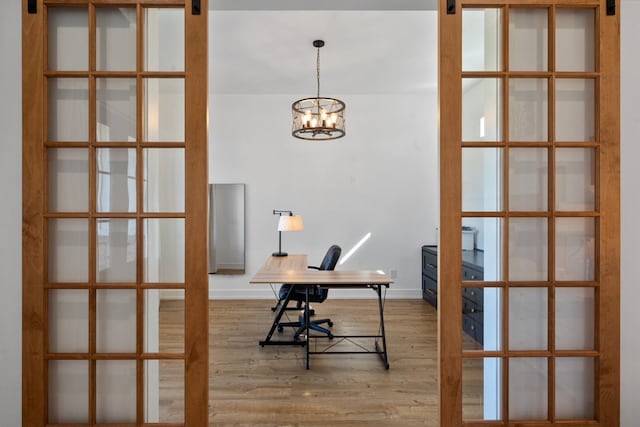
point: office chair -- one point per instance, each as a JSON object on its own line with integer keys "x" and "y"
{"x": 324, "y": 265}
{"x": 316, "y": 294}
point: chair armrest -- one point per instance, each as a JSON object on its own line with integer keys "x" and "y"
{"x": 313, "y": 266}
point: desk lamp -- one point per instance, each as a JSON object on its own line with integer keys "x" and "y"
{"x": 288, "y": 222}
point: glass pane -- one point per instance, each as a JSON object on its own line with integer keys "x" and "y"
{"x": 575, "y": 318}
{"x": 528, "y": 179}
{"x": 68, "y": 311}
{"x": 528, "y": 318}
{"x": 481, "y": 319}
{"x": 68, "y": 179}
{"x": 481, "y": 179}
{"x": 575, "y": 248}
{"x": 116, "y": 252}
{"x": 68, "y": 38}
{"x": 528, "y": 389}
{"x": 481, "y": 39}
{"x": 528, "y": 110}
{"x": 68, "y": 254}
{"x": 575, "y": 110}
{"x": 481, "y": 109}
{"x": 164, "y": 250}
{"x": 116, "y": 321}
{"x": 115, "y": 110}
{"x": 575, "y": 39}
{"x": 116, "y": 39}
{"x": 116, "y": 391}
{"x": 68, "y": 109}
{"x": 528, "y": 249}
{"x": 575, "y": 179}
{"x": 528, "y": 35}
{"x": 162, "y": 329}
{"x": 68, "y": 391}
{"x": 164, "y": 110}
{"x": 164, "y": 180}
{"x": 163, "y": 39}
{"x": 487, "y": 234}
{"x": 116, "y": 179}
{"x": 481, "y": 388}
{"x": 575, "y": 388}
{"x": 164, "y": 391}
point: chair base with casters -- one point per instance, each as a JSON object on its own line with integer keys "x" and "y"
{"x": 313, "y": 325}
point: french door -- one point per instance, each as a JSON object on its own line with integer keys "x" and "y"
{"x": 114, "y": 211}
{"x": 529, "y": 145}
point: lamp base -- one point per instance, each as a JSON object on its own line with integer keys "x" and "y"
{"x": 279, "y": 254}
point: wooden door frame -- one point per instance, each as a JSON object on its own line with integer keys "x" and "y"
{"x": 34, "y": 315}
{"x": 607, "y": 201}
{"x": 450, "y": 240}
{"x": 196, "y": 221}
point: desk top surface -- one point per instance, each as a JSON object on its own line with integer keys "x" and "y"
{"x": 292, "y": 270}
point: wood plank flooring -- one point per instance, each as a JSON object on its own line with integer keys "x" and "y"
{"x": 254, "y": 386}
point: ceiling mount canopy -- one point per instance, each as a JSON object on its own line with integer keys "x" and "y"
{"x": 319, "y": 118}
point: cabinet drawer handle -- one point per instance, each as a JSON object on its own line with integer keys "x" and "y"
{"x": 430, "y": 291}
{"x": 432, "y": 266}
{"x": 473, "y": 327}
{"x": 473, "y": 277}
{"x": 473, "y": 293}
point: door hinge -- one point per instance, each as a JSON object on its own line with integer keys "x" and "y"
{"x": 611, "y": 7}
{"x": 32, "y": 6}
{"x": 451, "y": 7}
{"x": 195, "y": 7}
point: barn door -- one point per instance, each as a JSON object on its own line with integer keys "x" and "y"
{"x": 115, "y": 193}
{"x": 529, "y": 101}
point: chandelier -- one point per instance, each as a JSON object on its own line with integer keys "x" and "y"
{"x": 319, "y": 118}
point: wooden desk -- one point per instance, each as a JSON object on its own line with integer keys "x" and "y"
{"x": 292, "y": 270}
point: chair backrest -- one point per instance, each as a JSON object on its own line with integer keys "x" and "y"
{"x": 331, "y": 258}
{"x": 329, "y": 262}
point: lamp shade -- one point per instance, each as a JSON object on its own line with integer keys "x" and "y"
{"x": 290, "y": 223}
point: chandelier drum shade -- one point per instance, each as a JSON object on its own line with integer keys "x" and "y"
{"x": 319, "y": 118}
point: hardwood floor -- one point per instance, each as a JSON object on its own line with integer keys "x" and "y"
{"x": 254, "y": 386}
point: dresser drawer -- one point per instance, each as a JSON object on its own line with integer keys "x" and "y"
{"x": 473, "y": 329}
{"x": 430, "y": 290}
{"x": 469, "y": 273}
{"x": 474, "y": 294}
{"x": 430, "y": 263}
{"x": 472, "y": 310}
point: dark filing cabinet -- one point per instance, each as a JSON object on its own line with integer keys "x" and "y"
{"x": 472, "y": 298}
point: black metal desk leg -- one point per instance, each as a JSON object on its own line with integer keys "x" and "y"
{"x": 306, "y": 321}
{"x": 383, "y": 352}
{"x": 276, "y": 320}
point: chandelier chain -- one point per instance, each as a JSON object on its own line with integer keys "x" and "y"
{"x": 318, "y": 72}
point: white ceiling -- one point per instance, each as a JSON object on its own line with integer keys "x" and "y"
{"x": 365, "y": 52}
{"x": 323, "y": 5}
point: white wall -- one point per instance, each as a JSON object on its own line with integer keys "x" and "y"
{"x": 630, "y": 155}
{"x": 380, "y": 178}
{"x": 10, "y": 214}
